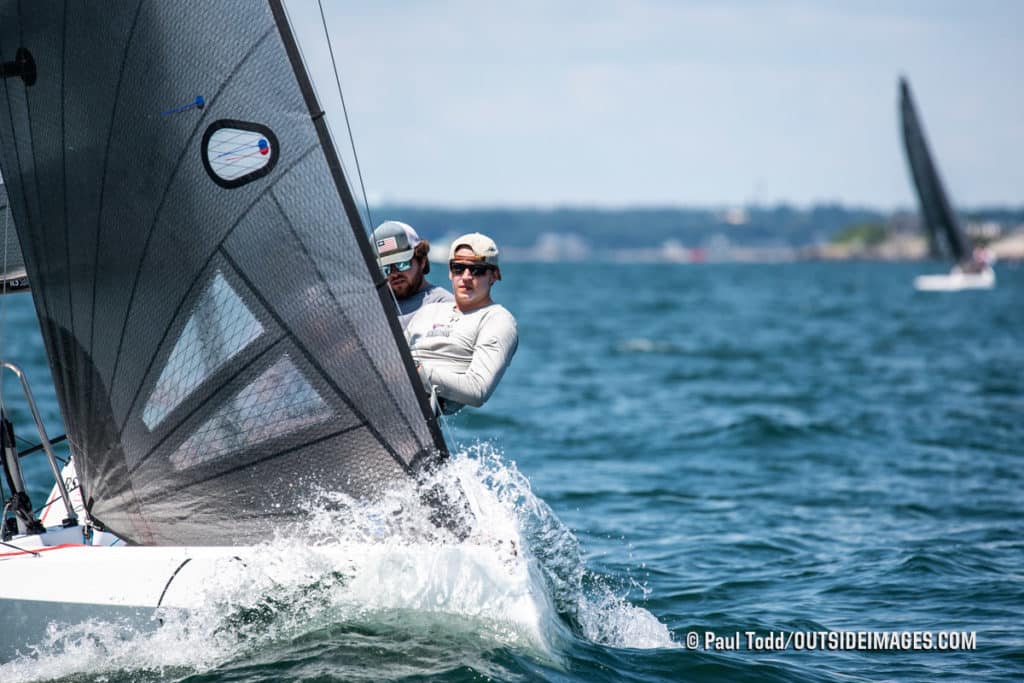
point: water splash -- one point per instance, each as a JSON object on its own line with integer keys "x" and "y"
{"x": 587, "y": 601}
{"x": 517, "y": 581}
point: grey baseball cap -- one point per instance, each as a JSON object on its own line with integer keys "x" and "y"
{"x": 395, "y": 242}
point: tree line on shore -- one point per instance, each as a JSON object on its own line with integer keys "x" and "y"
{"x": 778, "y": 226}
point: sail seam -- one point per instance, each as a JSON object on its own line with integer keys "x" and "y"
{"x": 65, "y": 389}
{"x": 355, "y": 220}
{"x": 312, "y": 360}
{"x": 64, "y": 167}
{"x": 103, "y": 175}
{"x": 217, "y": 248}
{"x": 171, "y": 430}
{"x": 199, "y": 283}
{"x": 250, "y": 463}
{"x": 163, "y": 199}
{"x": 49, "y": 295}
{"x": 40, "y": 301}
{"x": 359, "y": 340}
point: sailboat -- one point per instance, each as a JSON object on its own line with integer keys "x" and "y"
{"x": 970, "y": 270}
{"x": 221, "y": 340}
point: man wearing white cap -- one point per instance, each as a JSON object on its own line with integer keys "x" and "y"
{"x": 403, "y": 260}
{"x": 461, "y": 349}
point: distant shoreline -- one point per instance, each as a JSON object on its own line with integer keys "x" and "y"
{"x": 693, "y": 235}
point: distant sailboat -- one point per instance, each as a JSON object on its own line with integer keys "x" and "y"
{"x": 970, "y": 270}
{"x": 221, "y": 340}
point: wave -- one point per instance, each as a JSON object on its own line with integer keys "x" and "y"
{"x": 517, "y": 582}
{"x": 646, "y": 345}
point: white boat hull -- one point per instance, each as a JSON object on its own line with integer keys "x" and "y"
{"x": 73, "y": 583}
{"x": 138, "y": 586}
{"x": 61, "y": 579}
{"x": 955, "y": 281}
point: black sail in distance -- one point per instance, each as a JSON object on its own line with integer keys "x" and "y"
{"x": 937, "y": 211}
{"x": 221, "y": 340}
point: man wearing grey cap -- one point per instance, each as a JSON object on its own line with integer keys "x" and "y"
{"x": 403, "y": 260}
{"x": 462, "y": 349}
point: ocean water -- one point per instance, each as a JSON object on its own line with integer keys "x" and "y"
{"x": 811, "y": 453}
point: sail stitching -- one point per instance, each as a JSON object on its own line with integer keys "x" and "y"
{"x": 17, "y": 157}
{"x": 213, "y": 254}
{"x": 359, "y": 341}
{"x": 312, "y": 361}
{"x": 183, "y": 370}
{"x": 352, "y": 211}
{"x": 103, "y": 175}
{"x": 279, "y": 401}
{"x": 64, "y": 167}
{"x": 250, "y": 463}
{"x": 271, "y": 349}
{"x": 65, "y": 389}
{"x": 41, "y": 301}
{"x": 163, "y": 199}
{"x": 90, "y": 378}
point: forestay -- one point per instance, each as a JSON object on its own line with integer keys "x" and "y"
{"x": 221, "y": 340}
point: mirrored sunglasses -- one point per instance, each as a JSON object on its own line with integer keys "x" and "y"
{"x": 400, "y": 267}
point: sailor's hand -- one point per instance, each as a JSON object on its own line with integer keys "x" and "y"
{"x": 424, "y": 378}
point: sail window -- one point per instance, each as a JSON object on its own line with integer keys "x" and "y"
{"x": 281, "y": 400}
{"x": 220, "y": 326}
{"x": 238, "y": 152}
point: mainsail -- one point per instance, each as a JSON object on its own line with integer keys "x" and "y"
{"x": 221, "y": 340}
{"x": 937, "y": 212}
{"x": 13, "y": 277}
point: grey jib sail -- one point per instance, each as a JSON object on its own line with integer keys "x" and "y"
{"x": 222, "y": 343}
{"x": 941, "y": 221}
{"x": 13, "y": 277}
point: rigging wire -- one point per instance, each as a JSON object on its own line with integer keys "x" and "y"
{"x": 344, "y": 109}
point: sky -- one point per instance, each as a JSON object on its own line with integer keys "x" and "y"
{"x": 656, "y": 103}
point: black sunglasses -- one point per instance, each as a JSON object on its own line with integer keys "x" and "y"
{"x": 475, "y": 269}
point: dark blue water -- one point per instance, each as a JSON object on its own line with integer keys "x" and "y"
{"x": 784, "y": 449}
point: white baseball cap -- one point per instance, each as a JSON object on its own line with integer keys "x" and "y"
{"x": 483, "y": 246}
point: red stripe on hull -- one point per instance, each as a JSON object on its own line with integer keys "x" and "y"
{"x": 44, "y": 549}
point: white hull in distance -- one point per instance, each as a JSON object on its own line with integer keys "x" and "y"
{"x": 956, "y": 281}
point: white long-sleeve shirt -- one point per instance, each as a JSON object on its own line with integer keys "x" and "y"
{"x": 464, "y": 355}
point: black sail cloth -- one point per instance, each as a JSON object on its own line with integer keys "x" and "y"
{"x": 13, "y": 277}
{"x": 220, "y": 338}
{"x": 943, "y": 225}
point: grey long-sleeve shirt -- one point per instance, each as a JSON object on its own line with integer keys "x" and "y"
{"x": 464, "y": 355}
{"x": 428, "y": 294}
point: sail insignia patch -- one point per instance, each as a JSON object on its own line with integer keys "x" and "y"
{"x": 238, "y": 152}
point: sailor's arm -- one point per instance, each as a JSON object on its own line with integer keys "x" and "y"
{"x": 495, "y": 344}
